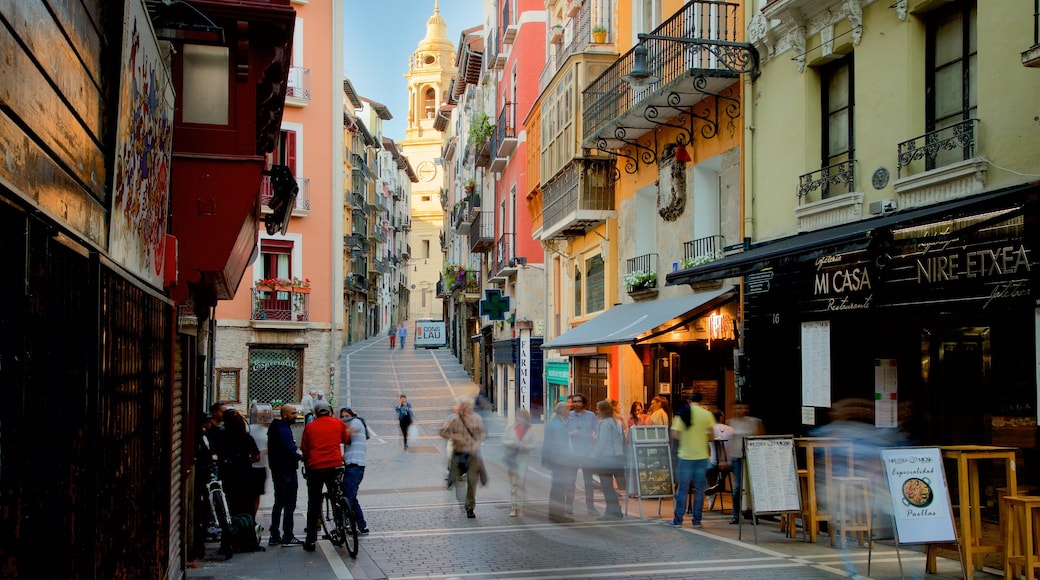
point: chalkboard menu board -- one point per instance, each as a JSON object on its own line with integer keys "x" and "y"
{"x": 653, "y": 458}
{"x": 772, "y": 474}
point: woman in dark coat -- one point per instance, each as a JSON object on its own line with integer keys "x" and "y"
{"x": 238, "y": 452}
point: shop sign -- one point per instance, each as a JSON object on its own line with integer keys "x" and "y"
{"x": 842, "y": 282}
{"x": 557, "y": 373}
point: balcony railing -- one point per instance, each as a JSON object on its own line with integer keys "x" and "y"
{"x": 357, "y": 199}
{"x": 641, "y": 273}
{"x": 467, "y": 281}
{"x": 505, "y": 256}
{"x": 290, "y": 304}
{"x": 701, "y": 41}
{"x": 831, "y": 180}
{"x": 441, "y": 293}
{"x": 378, "y": 233}
{"x": 939, "y": 148}
{"x": 702, "y": 251}
{"x": 303, "y": 198}
{"x": 578, "y": 198}
{"x": 356, "y": 283}
{"x": 503, "y": 141}
{"x": 378, "y": 203}
{"x": 299, "y": 85}
{"x": 407, "y": 253}
{"x": 482, "y": 232}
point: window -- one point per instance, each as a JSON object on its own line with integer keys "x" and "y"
{"x": 558, "y": 128}
{"x": 952, "y": 72}
{"x": 836, "y": 83}
{"x": 275, "y": 374}
{"x": 205, "y": 91}
{"x": 590, "y": 377}
{"x": 425, "y": 249}
{"x": 429, "y": 102}
{"x": 589, "y": 286}
{"x": 284, "y": 151}
{"x": 275, "y": 259}
{"x": 646, "y": 15}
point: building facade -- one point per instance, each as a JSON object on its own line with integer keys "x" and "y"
{"x": 282, "y": 334}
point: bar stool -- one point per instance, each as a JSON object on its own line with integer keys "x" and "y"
{"x": 853, "y": 509}
{"x": 1019, "y": 544}
{"x": 787, "y": 521}
{"x": 1002, "y": 492}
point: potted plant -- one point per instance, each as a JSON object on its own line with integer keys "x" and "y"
{"x": 687, "y": 263}
{"x": 480, "y": 128}
{"x": 469, "y": 185}
{"x": 599, "y": 34}
{"x": 556, "y": 34}
{"x": 641, "y": 280}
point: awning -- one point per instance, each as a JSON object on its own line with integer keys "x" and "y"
{"x": 632, "y": 323}
{"x": 838, "y": 239}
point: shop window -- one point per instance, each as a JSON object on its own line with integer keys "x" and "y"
{"x": 228, "y": 382}
{"x": 952, "y": 66}
{"x": 590, "y": 378}
{"x": 275, "y": 374}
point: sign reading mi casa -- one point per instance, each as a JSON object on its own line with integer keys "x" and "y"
{"x": 985, "y": 260}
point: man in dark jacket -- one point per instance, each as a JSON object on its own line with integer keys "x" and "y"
{"x": 284, "y": 460}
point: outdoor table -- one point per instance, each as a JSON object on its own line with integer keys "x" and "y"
{"x": 969, "y": 513}
{"x": 827, "y": 445}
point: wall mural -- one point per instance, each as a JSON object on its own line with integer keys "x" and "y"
{"x": 144, "y": 142}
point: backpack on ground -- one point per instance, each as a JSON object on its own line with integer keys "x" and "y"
{"x": 244, "y": 534}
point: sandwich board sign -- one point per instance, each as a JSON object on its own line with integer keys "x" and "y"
{"x": 920, "y": 499}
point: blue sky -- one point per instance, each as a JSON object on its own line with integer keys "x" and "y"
{"x": 380, "y": 35}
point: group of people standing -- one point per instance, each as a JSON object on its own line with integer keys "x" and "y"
{"x": 594, "y": 443}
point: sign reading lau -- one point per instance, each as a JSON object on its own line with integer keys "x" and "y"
{"x": 920, "y": 498}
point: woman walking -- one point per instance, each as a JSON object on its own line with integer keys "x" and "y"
{"x": 609, "y": 456}
{"x": 405, "y": 417}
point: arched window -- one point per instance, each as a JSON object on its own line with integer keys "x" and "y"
{"x": 430, "y": 102}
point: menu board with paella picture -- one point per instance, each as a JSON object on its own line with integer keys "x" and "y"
{"x": 920, "y": 498}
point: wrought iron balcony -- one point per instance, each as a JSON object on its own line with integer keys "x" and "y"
{"x": 378, "y": 233}
{"x": 303, "y": 197}
{"x": 482, "y": 232}
{"x": 482, "y": 149}
{"x": 356, "y": 283}
{"x": 357, "y": 199}
{"x": 407, "y": 253}
{"x": 702, "y": 251}
{"x": 441, "y": 293}
{"x": 503, "y": 141}
{"x": 939, "y": 148}
{"x": 1031, "y": 56}
{"x": 578, "y": 198}
{"x": 377, "y": 203}
{"x": 467, "y": 281}
{"x": 299, "y": 86}
{"x": 692, "y": 55}
{"x": 641, "y": 273}
{"x": 288, "y": 305}
{"x": 505, "y": 257}
{"x": 831, "y": 180}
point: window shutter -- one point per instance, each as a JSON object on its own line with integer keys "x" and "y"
{"x": 290, "y": 151}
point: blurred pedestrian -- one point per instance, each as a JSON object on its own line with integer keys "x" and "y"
{"x": 558, "y": 457}
{"x": 354, "y": 458}
{"x": 322, "y": 449}
{"x": 307, "y": 405}
{"x": 402, "y": 334}
{"x": 743, "y": 425}
{"x": 581, "y": 424}
{"x": 636, "y": 414}
{"x": 608, "y": 456}
{"x": 284, "y": 459}
{"x": 465, "y": 430}
{"x": 405, "y": 417}
{"x": 636, "y": 417}
{"x": 691, "y": 427}
{"x": 392, "y": 333}
{"x": 518, "y": 441}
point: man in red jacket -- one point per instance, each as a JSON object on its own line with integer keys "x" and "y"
{"x": 322, "y": 446}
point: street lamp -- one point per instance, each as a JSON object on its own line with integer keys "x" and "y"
{"x": 639, "y": 77}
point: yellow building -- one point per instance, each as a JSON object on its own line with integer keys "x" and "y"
{"x": 639, "y": 175}
{"x": 890, "y": 211}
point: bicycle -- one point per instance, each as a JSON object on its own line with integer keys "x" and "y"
{"x": 337, "y": 510}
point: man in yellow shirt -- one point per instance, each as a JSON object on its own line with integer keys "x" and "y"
{"x": 692, "y": 428}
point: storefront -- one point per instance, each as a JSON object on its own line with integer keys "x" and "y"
{"x": 930, "y": 314}
{"x": 669, "y": 347}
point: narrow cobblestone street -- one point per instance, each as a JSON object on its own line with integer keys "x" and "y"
{"x": 419, "y": 529}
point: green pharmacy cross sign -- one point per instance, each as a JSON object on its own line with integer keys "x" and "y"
{"x": 494, "y": 305}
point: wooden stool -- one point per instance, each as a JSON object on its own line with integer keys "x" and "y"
{"x": 1020, "y": 551}
{"x": 787, "y": 521}
{"x": 853, "y": 509}
{"x": 1002, "y": 492}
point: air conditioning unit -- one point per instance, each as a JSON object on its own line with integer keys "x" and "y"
{"x": 882, "y": 207}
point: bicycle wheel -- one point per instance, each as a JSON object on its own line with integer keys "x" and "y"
{"x": 329, "y": 518}
{"x": 347, "y": 523}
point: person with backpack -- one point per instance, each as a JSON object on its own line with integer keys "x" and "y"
{"x": 354, "y": 458}
{"x": 405, "y": 418}
{"x": 322, "y": 446}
